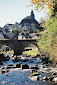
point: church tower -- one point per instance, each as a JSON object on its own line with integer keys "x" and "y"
{"x": 32, "y": 15}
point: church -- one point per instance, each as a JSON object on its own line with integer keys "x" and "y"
{"x": 29, "y": 23}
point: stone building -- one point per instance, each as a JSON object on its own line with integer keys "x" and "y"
{"x": 23, "y": 36}
{"x": 10, "y": 27}
{"x": 30, "y": 22}
{"x": 10, "y": 35}
{"x": 24, "y": 28}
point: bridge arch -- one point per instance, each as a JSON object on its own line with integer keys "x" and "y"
{"x": 21, "y": 44}
{"x": 17, "y": 45}
{"x": 7, "y": 43}
{"x": 30, "y": 49}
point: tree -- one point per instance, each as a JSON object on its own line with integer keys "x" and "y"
{"x": 42, "y": 22}
{"x": 48, "y": 40}
{"x": 52, "y": 5}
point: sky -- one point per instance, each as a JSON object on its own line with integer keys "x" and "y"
{"x": 12, "y": 11}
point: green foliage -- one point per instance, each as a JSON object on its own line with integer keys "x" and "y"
{"x": 15, "y": 31}
{"x": 55, "y": 8}
{"x": 46, "y": 40}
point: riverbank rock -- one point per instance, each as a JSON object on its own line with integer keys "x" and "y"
{"x": 45, "y": 59}
{"x": 24, "y": 66}
{"x": 1, "y": 63}
{"x": 2, "y": 57}
{"x": 24, "y": 55}
{"x": 7, "y": 57}
{"x": 37, "y": 55}
{"x": 28, "y": 56}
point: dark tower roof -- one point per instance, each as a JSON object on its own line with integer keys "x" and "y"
{"x": 32, "y": 15}
{"x": 30, "y": 19}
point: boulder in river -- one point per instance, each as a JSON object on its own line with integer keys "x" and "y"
{"x": 17, "y": 60}
{"x": 33, "y": 70}
{"x": 45, "y": 78}
{"x": 2, "y": 67}
{"x": 25, "y": 60}
{"x": 5, "y": 75}
{"x": 24, "y": 66}
{"x": 18, "y": 65}
{"x": 35, "y": 74}
{"x": 4, "y": 71}
{"x": 34, "y": 67}
{"x": 51, "y": 78}
{"x": 10, "y": 65}
{"x": 34, "y": 78}
{"x": 54, "y": 73}
{"x": 55, "y": 80}
{"x": 37, "y": 55}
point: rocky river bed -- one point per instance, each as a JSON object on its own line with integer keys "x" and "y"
{"x": 27, "y": 71}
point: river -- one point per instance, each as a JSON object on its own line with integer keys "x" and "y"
{"x": 18, "y": 76}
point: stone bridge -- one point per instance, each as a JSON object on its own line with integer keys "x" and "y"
{"x": 17, "y": 45}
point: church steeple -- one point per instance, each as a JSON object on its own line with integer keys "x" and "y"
{"x": 32, "y": 14}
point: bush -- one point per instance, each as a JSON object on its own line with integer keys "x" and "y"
{"x": 15, "y": 31}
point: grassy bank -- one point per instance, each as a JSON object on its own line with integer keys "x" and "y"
{"x": 7, "y": 52}
{"x": 31, "y": 52}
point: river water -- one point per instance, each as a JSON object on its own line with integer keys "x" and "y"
{"x": 17, "y": 76}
